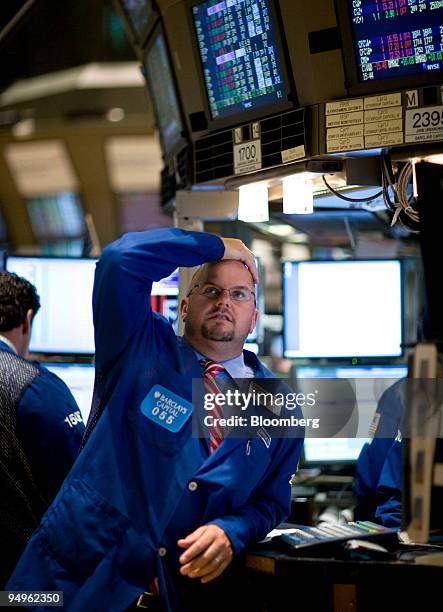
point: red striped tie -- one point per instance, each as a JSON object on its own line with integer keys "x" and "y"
{"x": 216, "y": 432}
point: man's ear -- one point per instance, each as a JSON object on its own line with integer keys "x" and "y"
{"x": 253, "y": 320}
{"x": 183, "y": 309}
{"x": 27, "y": 321}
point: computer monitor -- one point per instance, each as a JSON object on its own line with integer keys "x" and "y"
{"x": 80, "y": 380}
{"x": 64, "y": 323}
{"x": 369, "y": 383}
{"x": 389, "y": 45}
{"x": 160, "y": 80}
{"x": 57, "y": 216}
{"x": 242, "y": 59}
{"x": 342, "y": 309}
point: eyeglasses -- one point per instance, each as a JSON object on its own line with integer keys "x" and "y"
{"x": 212, "y": 292}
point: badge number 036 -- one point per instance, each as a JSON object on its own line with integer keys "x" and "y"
{"x": 247, "y": 156}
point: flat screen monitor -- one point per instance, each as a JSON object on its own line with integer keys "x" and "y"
{"x": 242, "y": 59}
{"x": 369, "y": 382}
{"x": 391, "y": 44}
{"x": 80, "y": 380}
{"x": 160, "y": 80}
{"x": 57, "y": 216}
{"x": 64, "y": 323}
{"x": 342, "y": 309}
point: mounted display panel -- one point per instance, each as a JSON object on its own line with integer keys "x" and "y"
{"x": 64, "y": 325}
{"x": 369, "y": 382}
{"x": 162, "y": 87}
{"x": 139, "y": 16}
{"x": 336, "y": 309}
{"x": 391, "y": 45}
{"x": 243, "y": 60}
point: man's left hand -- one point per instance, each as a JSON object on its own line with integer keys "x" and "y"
{"x": 208, "y": 554}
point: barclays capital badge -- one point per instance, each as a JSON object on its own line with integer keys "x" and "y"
{"x": 166, "y": 408}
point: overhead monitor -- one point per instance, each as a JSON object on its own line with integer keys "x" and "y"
{"x": 64, "y": 323}
{"x": 370, "y": 382}
{"x": 389, "y": 45}
{"x": 242, "y": 59}
{"x": 56, "y": 216}
{"x": 139, "y": 14}
{"x": 337, "y": 309}
{"x": 159, "y": 76}
{"x": 80, "y": 380}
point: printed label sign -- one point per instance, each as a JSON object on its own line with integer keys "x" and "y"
{"x": 166, "y": 408}
{"x": 247, "y": 156}
{"x": 423, "y": 124}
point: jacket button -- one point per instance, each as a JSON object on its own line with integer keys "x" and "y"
{"x": 192, "y": 486}
{"x": 162, "y": 551}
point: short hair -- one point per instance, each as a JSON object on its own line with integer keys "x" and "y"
{"x": 17, "y": 296}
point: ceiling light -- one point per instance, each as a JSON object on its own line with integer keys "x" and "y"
{"x": 297, "y": 195}
{"x": 115, "y": 114}
{"x": 280, "y": 229}
{"x": 435, "y": 159}
{"x": 253, "y": 203}
{"x": 23, "y": 128}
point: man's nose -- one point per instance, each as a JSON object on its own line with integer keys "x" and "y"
{"x": 224, "y": 297}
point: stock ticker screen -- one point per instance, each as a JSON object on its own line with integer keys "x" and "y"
{"x": 397, "y": 38}
{"x": 161, "y": 84}
{"x": 241, "y": 64}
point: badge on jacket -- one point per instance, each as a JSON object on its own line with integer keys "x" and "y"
{"x": 166, "y": 408}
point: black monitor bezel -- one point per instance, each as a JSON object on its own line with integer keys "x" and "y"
{"x": 160, "y": 30}
{"x": 360, "y": 359}
{"x": 242, "y": 117}
{"x": 353, "y": 84}
{"x": 138, "y": 40}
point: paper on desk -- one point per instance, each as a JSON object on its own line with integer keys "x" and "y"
{"x": 276, "y": 532}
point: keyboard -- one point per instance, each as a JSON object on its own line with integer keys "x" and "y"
{"x": 303, "y": 536}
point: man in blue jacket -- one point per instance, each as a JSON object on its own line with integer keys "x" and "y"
{"x": 40, "y": 425}
{"x": 147, "y": 504}
{"x": 379, "y": 473}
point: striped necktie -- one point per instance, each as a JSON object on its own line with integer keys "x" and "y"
{"x": 211, "y": 369}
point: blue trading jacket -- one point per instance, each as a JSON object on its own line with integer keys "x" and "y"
{"x": 50, "y": 429}
{"x": 136, "y": 487}
{"x": 378, "y": 482}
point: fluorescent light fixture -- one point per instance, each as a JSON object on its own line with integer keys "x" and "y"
{"x": 435, "y": 159}
{"x": 298, "y": 196}
{"x": 253, "y": 203}
{"x": 283, "y": 230}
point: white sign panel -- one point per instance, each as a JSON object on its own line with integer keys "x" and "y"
{"x": 422, "y": 124}
{"x": 247, "y": 156}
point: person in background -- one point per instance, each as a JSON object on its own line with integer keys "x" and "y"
{"x": 152, "y": 516}
{"x": 378, "y": 482}
{"x": 40, "y": 425}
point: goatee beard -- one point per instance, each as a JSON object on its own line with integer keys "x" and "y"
{"x": 217, "y": 335}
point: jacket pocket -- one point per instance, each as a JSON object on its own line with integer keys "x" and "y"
{"x": 81, "y": 528}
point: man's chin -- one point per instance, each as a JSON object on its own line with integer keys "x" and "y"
{"x": 217, "y": 335}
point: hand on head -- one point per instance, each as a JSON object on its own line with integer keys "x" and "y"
{"x": 236, "y": 249}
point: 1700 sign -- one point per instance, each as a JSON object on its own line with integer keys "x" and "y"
{"x": 247, "y": 156}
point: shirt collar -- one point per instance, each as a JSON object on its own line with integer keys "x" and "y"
{"x": 8, "y": 343}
